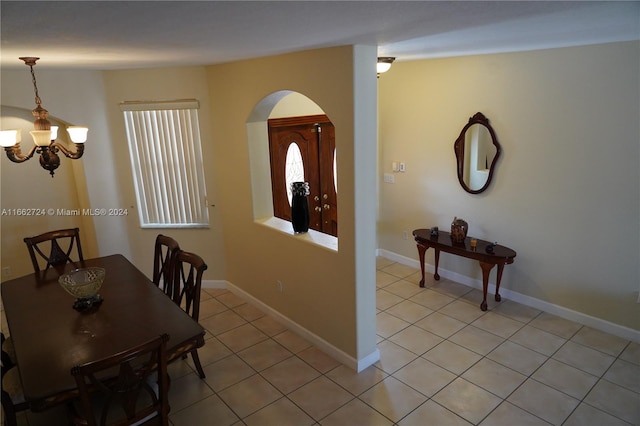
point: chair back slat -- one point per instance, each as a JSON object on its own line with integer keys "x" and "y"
{"x": 55, "y": 255}
{"x": 163, "y": 261}
{"x": 189, "y": 268}
{"x": 128, "y": 397}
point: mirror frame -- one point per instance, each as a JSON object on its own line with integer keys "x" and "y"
{"x": 458, "y": 147}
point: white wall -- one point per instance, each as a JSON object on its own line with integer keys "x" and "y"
{"x": 565, "y": 194}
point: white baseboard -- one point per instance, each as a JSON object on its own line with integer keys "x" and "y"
{"x": 561, "y": 311}
{"x": 334, "y": 352}
{"x": 370, "y": 359}
{"x": 214, "y": 284}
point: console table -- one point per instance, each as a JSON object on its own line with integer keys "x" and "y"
{"x": 442, "y": 242}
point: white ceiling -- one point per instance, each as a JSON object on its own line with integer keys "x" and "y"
{"x": 136, "y": 34}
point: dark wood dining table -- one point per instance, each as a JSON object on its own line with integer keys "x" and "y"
{"x": 50, "y": 336}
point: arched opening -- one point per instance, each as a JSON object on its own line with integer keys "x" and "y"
{"x": 296, "y": 156}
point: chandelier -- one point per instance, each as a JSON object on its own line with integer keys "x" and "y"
{"x": 44, "y": 135}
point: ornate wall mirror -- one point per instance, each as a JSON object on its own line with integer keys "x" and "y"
{"x": 477, "y": 151}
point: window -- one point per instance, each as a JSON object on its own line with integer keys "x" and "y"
{"x": 166, "y": 158}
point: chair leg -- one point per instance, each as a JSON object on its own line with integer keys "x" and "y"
{"x": 9, "y": 411}
{"x": 196, "y": 361}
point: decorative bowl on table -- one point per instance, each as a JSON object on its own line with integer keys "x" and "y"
{"x": 84, "y": 284}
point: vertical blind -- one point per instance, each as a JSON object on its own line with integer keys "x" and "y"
{"x": 166, "y": 158}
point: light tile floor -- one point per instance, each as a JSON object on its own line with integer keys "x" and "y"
{"x": 443, "y": 362}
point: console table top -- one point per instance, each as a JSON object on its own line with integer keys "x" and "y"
{"x": 443, "y": 242}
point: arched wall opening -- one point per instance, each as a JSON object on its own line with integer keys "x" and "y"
{"x": 284, "y": 103}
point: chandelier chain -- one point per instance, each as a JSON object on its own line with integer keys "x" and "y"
{"x": 35, "y": 86}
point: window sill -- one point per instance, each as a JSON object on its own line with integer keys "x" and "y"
{"x": 175, "y": 226}
{"x": 325, "y": 240}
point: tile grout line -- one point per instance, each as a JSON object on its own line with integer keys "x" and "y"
{"x": 530, "y": 322}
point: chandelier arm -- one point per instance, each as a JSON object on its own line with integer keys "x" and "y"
{"x": 67, "y": 153}
{"x": 15, "y": 154}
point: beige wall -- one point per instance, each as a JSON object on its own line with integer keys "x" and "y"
{"x": 323, "y": 288}
{"x": 566, "y": 192}
{"x": 565, "y": 196}
{"x": 159, "y": 85}
{"x": 28, "y": 194}
{"x": 74, "y": 97}
{"x": 330, "y": 293}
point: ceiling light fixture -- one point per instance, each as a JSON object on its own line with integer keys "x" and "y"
{"x": 44, "y": 135}
{"x": 384, "y": 63}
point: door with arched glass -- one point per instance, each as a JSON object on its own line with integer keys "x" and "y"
{"x": 303, "y": 149}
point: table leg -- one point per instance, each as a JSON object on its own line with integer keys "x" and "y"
{"x": 436, "y": 275}
{"x": 498, "y": 278}
{"x": 486, "y": 268}
{"x": 421, "y": 250}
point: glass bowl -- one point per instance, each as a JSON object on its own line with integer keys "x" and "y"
{"x": 84, "y": 284}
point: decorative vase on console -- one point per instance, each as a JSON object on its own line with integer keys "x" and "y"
{"x": 300, "y": 207}
{"x": 459, "y": 230}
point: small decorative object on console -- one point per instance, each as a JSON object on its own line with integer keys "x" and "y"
{"x": 84, "y": 284}
{"x": 434, "y": 231}
{"x": 490, "y": 247}
{"x": 459, "y": 230}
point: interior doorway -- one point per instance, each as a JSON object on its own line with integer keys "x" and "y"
{"x": 303, "y": 149}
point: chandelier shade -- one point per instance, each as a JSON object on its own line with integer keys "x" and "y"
{"x": 10, "y": 137}
{"x": 41, "y": 137}
{"x": 44, "y": 135}
{"x": 78, "y": 134}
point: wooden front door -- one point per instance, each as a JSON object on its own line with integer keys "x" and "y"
{"x": 312, "y": 160}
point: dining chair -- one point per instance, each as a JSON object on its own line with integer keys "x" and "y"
{"x": 163, "y": 260}
{"x": 13, "y": 400}
{"x": 57, "y": 255}
{"x": 8, "y": 352}
{"x": 137, "y": 395}
{"x": 187, "y": 285}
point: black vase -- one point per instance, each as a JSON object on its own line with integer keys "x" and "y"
{"x": 300, "y": 213}
{"x": 299, "y": 206}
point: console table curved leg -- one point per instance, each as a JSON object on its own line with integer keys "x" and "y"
{"x": 498, "y": 278}
{"x": 437, "y": 258}
{"x": 421, "y": 250}
{"x": 486, "y": 269}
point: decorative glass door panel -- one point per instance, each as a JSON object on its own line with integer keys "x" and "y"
{"x": 293, "y": 168}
